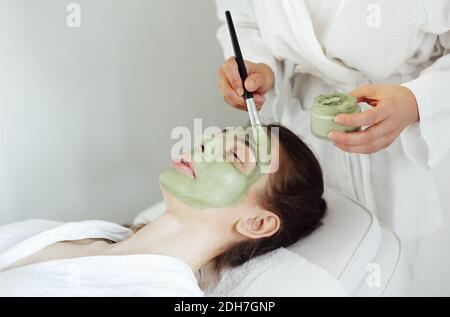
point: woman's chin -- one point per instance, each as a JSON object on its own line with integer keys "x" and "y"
{"x": 172, "y": 202}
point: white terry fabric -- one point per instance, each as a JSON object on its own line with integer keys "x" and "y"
{"x": 281, "y": 273}
{"x": 125, "y": 275}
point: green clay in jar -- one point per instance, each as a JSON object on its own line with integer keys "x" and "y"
{"x": 326, "y": 108}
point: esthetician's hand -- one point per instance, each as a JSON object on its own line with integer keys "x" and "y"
{"x": 260, "y": 80}
{"x": 395, "y": 108}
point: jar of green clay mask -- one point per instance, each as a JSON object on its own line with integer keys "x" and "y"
{"x": 325, "y": 110}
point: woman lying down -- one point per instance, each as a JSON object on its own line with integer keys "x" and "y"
{"x": 221, "y": 208}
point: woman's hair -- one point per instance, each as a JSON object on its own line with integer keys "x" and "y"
{"x": 294, "y": 193}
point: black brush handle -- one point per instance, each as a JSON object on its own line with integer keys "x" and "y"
{"x": 238, "y": 53}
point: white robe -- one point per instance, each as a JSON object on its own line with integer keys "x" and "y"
{"x": 319, "y": 46}
{"x": 143, "y": 274}
{"x": 127, "y": 275}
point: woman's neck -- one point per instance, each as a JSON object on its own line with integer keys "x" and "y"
{"x": 194, "y": 243}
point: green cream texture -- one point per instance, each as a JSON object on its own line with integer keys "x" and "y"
{"x": 326, "y": 108}
{"x": 218, "y": 183}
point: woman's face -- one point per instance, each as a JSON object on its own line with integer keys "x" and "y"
{"x": 219, "y": 172}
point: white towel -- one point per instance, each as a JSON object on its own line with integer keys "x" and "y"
{"x": 280, "y": 273}
{"x": 127, "y": 275}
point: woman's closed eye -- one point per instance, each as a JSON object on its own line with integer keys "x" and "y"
{"x": 242, "y": 161}
{"x": 233, "y": 156}
{"x": 237, "y": 158}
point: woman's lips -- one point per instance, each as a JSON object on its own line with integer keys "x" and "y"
{"x": 184, "y": 167}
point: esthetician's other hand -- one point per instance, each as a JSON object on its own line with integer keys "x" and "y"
{"x": 260, "y": 80}
{"x": 395, "y": 108}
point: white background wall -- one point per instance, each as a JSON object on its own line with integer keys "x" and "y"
{"x": 86, "y": 114}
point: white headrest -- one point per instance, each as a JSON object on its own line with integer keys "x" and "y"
{"x": 347, "y": 242}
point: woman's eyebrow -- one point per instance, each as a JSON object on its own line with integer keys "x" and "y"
{"x": 243, "y": 140}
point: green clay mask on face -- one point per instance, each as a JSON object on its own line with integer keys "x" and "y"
{"x": 325, "y": 110}
{"x": 219, "y": 181}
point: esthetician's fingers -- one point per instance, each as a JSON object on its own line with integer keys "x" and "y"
{"x": 229, "y": 94}
{"x": 365, "y": 137}
{"x": 395, "y": 109}
{"x": 378, "y": 145}
{"x": 366, "y": 118}
{"x": 366, "y": 93}
{"x": 231, "y": 71}
{"x": 255, "y": 84}
{"x": 259, "y": 101}
{"x": 259, "y": 79}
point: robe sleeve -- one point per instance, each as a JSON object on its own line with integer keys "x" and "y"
{"x": 428, "y": 141}
{"x": 253, "y": 46}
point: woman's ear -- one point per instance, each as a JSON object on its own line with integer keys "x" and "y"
{"x": 260, "y": 226}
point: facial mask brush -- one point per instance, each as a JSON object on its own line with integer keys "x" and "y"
{"x": 251, "y": 106}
